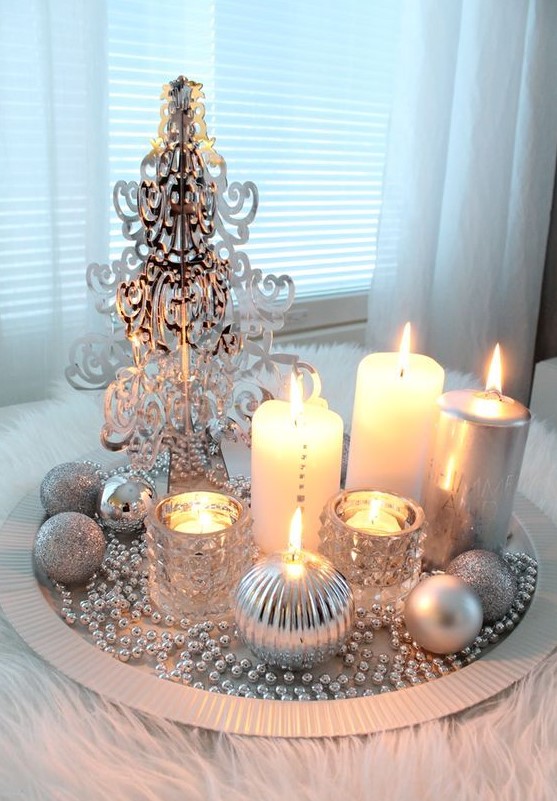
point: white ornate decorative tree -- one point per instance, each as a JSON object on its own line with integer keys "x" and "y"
{"x": 187, "y": 354}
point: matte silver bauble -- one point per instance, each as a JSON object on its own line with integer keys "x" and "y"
{"x": 123, "y": 504}
{"x": 71, "y": 487}
{"x": 69, "y": 547}
{"x": 294, "y": 614}
{"x": 490, "y": 576}
{"x": 443, "y": 614}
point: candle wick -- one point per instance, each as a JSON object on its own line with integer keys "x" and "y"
{"x": 402, "y": 372}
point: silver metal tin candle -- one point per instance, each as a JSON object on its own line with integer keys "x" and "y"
{"x": 474, "y": 472}
{"x": 294, "y": 608}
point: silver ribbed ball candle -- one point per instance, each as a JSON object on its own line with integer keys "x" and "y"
{"x": 293, "y": 610}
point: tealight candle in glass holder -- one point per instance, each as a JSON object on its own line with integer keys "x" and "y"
{"x": 376, "y": 540}
{"x": 199, "y": 544}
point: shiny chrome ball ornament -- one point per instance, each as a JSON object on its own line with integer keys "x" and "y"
{"x": 124, "y": 502}
{"x": 294, "y": 613}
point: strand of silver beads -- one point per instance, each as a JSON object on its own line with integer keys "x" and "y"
{"x": 378, "y": 657}
{"x": 160, "y": 467}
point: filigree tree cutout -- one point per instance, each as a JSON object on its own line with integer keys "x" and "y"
{"x": 189, "y": 322}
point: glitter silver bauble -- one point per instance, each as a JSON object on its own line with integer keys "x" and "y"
{"x": 293, "y": 614}
{"x": 69, "y": 547}
{"x": 71, "y": 487}
{"x": 443, "y": 614}
{"x": 123, "y": 504}
{"x": 490, "y": 577}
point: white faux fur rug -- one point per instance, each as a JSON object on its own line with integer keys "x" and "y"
{"x": 59, "y": 741}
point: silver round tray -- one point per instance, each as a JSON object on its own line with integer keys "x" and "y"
{"x": 29, "y": 607}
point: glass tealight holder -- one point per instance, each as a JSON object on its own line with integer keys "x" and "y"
{"x": 379, "y": 552}
{"x": 199, "y": 544}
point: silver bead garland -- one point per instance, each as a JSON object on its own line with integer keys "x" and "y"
{"x": 378, "y": 656}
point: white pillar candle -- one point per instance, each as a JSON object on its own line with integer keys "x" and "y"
{"x": 393, "y": 420}
{"x": 295, "y": 461}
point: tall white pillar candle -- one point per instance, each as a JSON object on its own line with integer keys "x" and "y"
{"x": 393, "y": 420}
{"x": 295, "y": 461}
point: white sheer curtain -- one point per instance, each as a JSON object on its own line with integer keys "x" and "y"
{"x": 468, "y": 183}
{"x": 53, "y": 214}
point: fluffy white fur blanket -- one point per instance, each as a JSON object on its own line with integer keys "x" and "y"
{"x": 59, "y": 741}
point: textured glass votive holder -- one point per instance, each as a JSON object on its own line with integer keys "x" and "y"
{"x": 199, "y": 544}
{"x": 381, "y": 565}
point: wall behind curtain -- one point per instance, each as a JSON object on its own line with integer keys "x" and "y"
{"x": 468, "y": 183}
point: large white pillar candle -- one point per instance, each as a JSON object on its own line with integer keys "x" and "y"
{"x": 393, "y": 421}
{"x": 295, "y": 461}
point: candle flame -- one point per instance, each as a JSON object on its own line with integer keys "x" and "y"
{"x": 494, "y": 381}
{"x": 295, "y": 536}
{"x": 296, "y": 398}
{"x": 404, "y": 353}
{"x": 373, "y": 510}
{"x": 205, "y": 520}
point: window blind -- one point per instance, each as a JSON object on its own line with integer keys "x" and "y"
{"x": 298, "y": 96}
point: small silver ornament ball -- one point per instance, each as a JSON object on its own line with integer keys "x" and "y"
{"x": 71, "y": 487}
{"x": 123, "y": 504}
{"x": 443, "y": 614}
{"x": 293, "y": 613}
{"x": 69, "y": 547}
{"x": 490, "y": 576}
